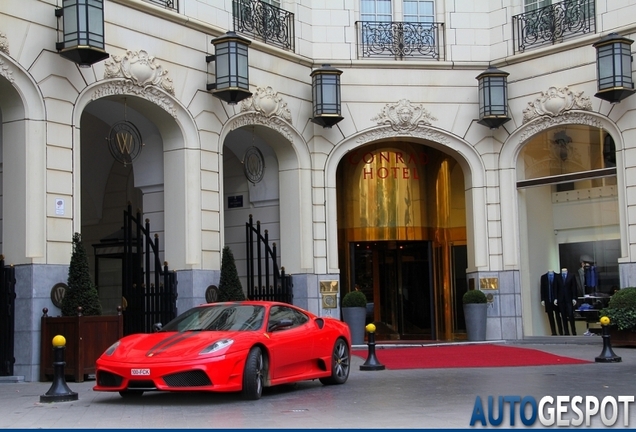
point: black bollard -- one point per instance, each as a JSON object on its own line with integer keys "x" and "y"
{"x": 59, "y": 391}
{"x": 607, "y": 355}
{"x": 372, "y": 362}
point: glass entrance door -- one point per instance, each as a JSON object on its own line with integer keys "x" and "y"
{"x": 397, "y": 279}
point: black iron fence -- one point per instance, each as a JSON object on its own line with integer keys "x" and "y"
{"x": 400, "y": 40}
{"x": 263, "y": 21}
{"x": 553, "y": 24}
{"x": 265, "y": 281}
{"x": 7, "y": 318}
{"x": 149, "y": 289}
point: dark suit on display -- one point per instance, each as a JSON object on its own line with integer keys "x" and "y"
{"x": 550, "y": 287}
{"x": 567, "y": 293}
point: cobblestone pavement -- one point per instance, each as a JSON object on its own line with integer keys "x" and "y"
{"x": 419, "y": 398}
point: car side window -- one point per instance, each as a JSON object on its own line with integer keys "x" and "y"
{"x": 278, "y": 313}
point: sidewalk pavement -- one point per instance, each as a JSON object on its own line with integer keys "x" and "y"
{"x": 417, "y": 398}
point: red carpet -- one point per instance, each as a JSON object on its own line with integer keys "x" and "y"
{"x": 465, "y": 356}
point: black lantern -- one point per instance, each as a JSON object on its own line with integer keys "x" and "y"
{"x": 83, "y": 31}
{"x": 231, "y": 68}
{"x": 614, "y": 68}
{"x": 493, "y": 98}
{"x": 326, "y": 96}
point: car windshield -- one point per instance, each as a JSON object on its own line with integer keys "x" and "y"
{"x": 222, "y": 317}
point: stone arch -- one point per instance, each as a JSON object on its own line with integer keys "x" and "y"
{"x": 23, "y": 118}
{"x": 508, "y": 180}
{"x": 182, "y": 187}
{"x": 294, "y": 164}
{"x": 465, "y": 154}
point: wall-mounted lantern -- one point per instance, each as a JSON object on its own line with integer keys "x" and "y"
{"x": 326, "y": 96}
{"x": 83, "y": 34}
{"x": 614, "y": 68}
{"x": 231, "y": 68}
{"x": 493, "y": 97}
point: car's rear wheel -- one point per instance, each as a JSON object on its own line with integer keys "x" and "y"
{"x": 253, "y": 375}
{"x": 131, "y": 393}
{"x": 340, "y": 364}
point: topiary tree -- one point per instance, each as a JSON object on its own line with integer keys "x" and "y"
{"x": 230, "y": 288}
{"x": 81, "y": 291}
{"x": 474, "y": 296}
{"x": 354, "y": 299}
{"x": 621, "y": 309}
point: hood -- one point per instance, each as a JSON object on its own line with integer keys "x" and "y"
{"x": 169, "y": 346}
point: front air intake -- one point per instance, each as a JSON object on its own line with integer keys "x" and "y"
{"x": 195, "y": 378}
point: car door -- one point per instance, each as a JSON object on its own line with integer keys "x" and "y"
{"x": 291, "y": 345}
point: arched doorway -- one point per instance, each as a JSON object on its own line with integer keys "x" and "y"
{"x": 402, "y": 237}
{"x": 569, "y": 219}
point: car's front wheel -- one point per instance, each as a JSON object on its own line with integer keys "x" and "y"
{"x": 340, "y": 364}
{"x": 253, "y": 375}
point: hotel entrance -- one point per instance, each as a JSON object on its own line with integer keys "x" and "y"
{"x": 402, "y": 238}
{"x": 397, "y": 279}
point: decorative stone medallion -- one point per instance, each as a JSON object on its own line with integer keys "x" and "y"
{"x": 140, "y": 68}
{"x": 254, "y": 165}
{"x": 554, "y": 102}
{"x": 404, "y": 116}
{"x": 266, "y": 102}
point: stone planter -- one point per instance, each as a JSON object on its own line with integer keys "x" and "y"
{"x": 475, "y": 315}
{"x": 355, "y": 317}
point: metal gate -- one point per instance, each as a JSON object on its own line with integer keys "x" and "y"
{"x": 265, "y": 281}
{"x": 149, "y": 289}
{"x": 7, "y": 318}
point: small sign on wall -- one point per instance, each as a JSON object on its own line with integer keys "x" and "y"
{"x": 235, "y": 201}
{"x": 59, "y": 206}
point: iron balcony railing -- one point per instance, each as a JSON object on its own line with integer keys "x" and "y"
{"x": 262, "y": 21}
{"x": 168, "y": 4}
{"x": 377, "y": 39}
{"x": 553, "y": 24}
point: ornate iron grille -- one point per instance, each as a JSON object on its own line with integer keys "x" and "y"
{"x": 399, "y": 39}
{"x": 260, "y": 20}
{"x": 168, "y": 4}
{"x": 553, "y": 24}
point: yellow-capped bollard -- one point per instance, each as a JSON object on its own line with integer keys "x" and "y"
{"x": 372, "y": 362}
{"x": 59, "y": 391}
{"x": 607, "y": 355}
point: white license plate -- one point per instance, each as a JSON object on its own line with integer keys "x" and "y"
{"x": 140, "y": 372}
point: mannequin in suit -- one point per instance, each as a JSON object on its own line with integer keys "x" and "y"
{"x": 566, "y": 300}
{"x": 550, "y": 284}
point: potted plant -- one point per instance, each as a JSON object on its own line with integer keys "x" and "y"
{"x": 354, "y": 313}
{"x": 88, "y": 333}
{"x": 621, "y": 310}
{"x": 475, "y": 314}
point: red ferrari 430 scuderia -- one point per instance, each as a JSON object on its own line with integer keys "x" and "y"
{"x": 231, "y": 346}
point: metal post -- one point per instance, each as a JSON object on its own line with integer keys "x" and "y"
{"x": 59, "y": 391}
{"x": 607, "y": 355}
{"x": 372, "y": 362}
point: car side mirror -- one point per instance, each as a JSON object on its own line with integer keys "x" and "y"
{"x": 157, "y": 327}
{"x": 280, "y": 324}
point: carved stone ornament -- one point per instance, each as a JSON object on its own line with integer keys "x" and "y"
{"x": 385, "y": 132}
{"x": 555, "y": 102}
{"x": 4, "y": 43}
{"x": 140, "y": 68}
{"x": 6, "y": 72}
{"x": 404, "y": 116}
{"x": 564, "y": 119}
{"x": 126, "y": 87}
{"x": 253, "y": 118}
{"x": 266, "y": 101}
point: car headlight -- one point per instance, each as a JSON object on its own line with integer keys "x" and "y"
{"x": 111, "y": 349}
{"x": 217, "y": 346}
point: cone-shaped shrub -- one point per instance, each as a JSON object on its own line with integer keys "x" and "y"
{"x": 81, "y": 291}
{"x": 230, "y": 288}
